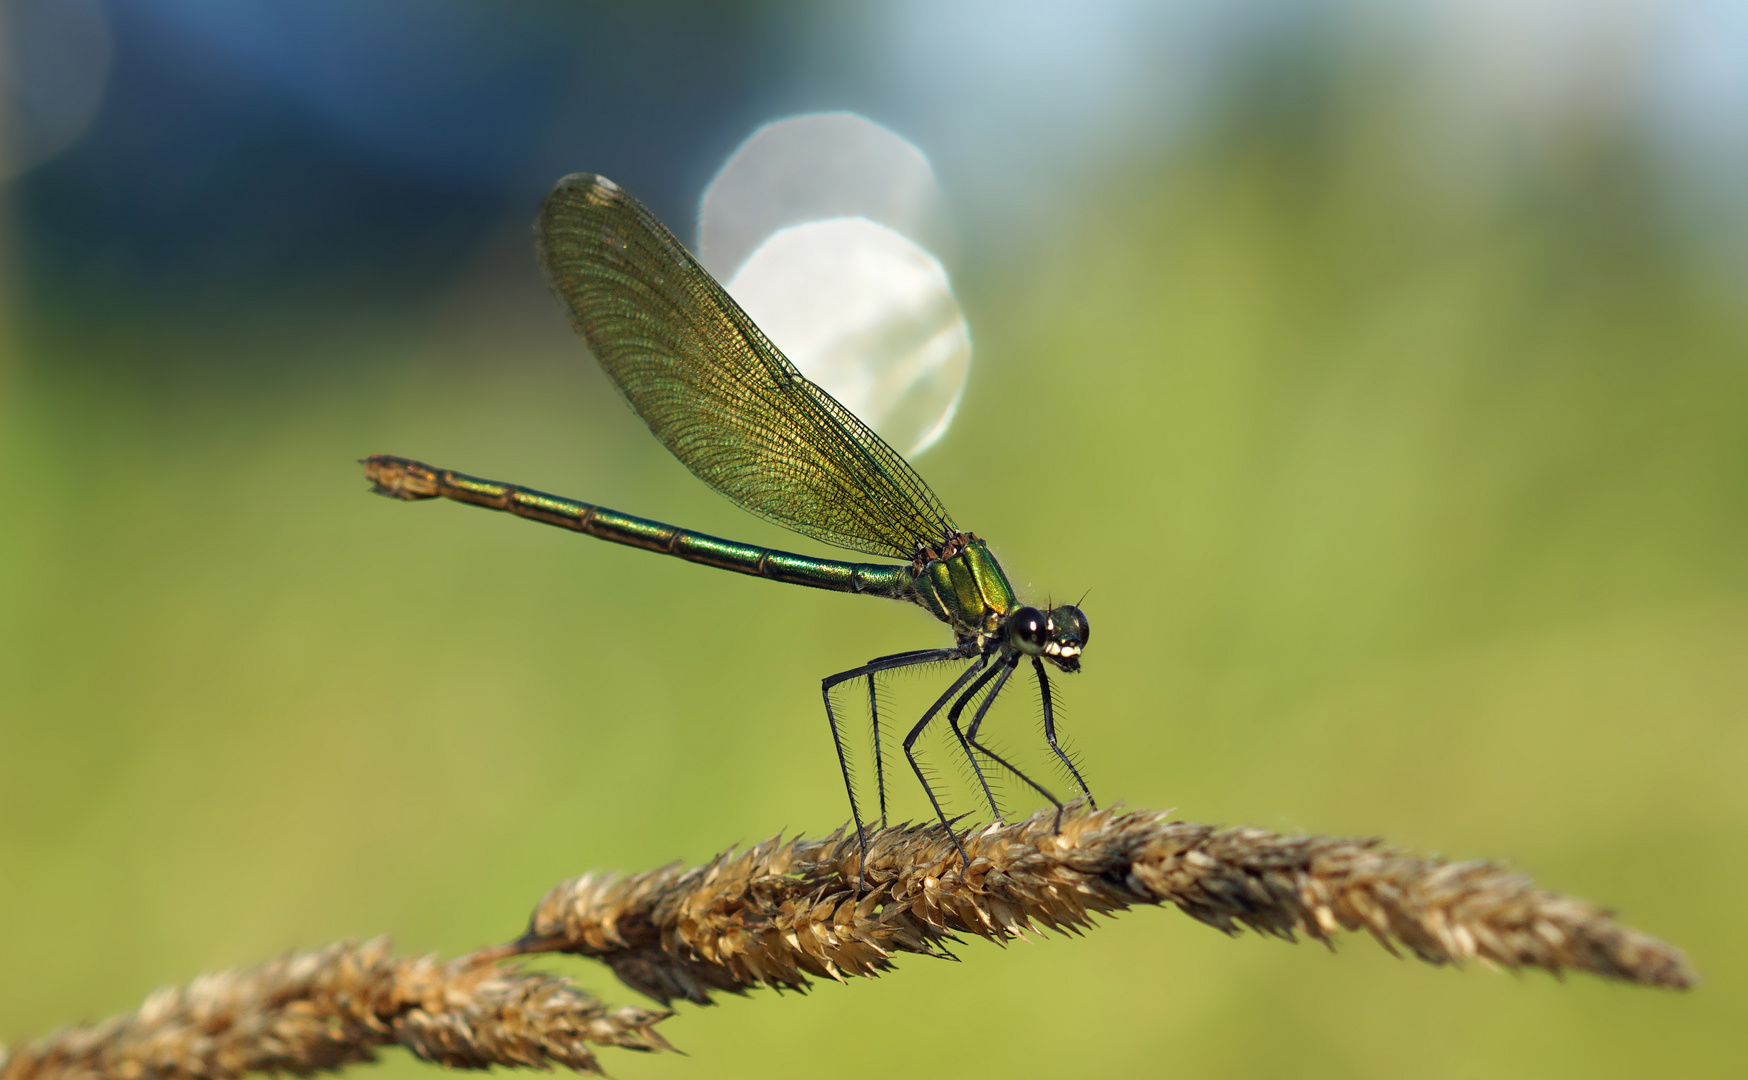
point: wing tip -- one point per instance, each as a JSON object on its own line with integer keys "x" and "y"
{"x": 593, "y": 187}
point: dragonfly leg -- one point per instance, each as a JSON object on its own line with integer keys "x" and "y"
{"x": 1007, "y": 669}
{"x": 916, "y": 732}
{"x": 1050, "y": 731}
{"x": 868, "y": 671}
{"x": 849, "y": 785}
{"x": 964, "y": 743}
{"x": 879, "y": 748}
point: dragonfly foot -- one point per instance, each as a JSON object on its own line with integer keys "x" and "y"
{"x": 964, "y": 856}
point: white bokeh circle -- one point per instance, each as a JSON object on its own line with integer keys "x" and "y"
{"x": 866, "y": 313}
{"x": 821, "y": 226}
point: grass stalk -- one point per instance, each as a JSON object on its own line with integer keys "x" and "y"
{"x": 328, "y": 1008}
{"x": 784, "y": 912}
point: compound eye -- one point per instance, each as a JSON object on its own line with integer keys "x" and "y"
{"x": 1026, "y": 626}
{"x": 1081, "y": 629}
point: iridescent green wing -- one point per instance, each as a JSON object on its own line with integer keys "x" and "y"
{"x": 714, "y": 389}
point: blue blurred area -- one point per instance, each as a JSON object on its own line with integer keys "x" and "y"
{"x": 359, "y": 152}
{"x": 455, "y": 95}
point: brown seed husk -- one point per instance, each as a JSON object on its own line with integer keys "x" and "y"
{"x": 328, "y": 1008}
{"x": 781, "y": 913}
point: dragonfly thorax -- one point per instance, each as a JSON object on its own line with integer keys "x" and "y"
{"x": 964, "y": 586}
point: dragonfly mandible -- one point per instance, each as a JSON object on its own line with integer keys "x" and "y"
{"x": 725, "y": 401}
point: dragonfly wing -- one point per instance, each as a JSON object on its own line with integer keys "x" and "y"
{"x": 714, "y": 389}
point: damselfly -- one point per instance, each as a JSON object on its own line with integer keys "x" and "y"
{"x": 726, "y": 402}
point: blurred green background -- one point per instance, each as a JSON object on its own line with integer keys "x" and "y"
{"x": 1380, "y": 371}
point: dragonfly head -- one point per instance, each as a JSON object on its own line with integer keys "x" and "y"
{"x": 1058, "y": 636}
